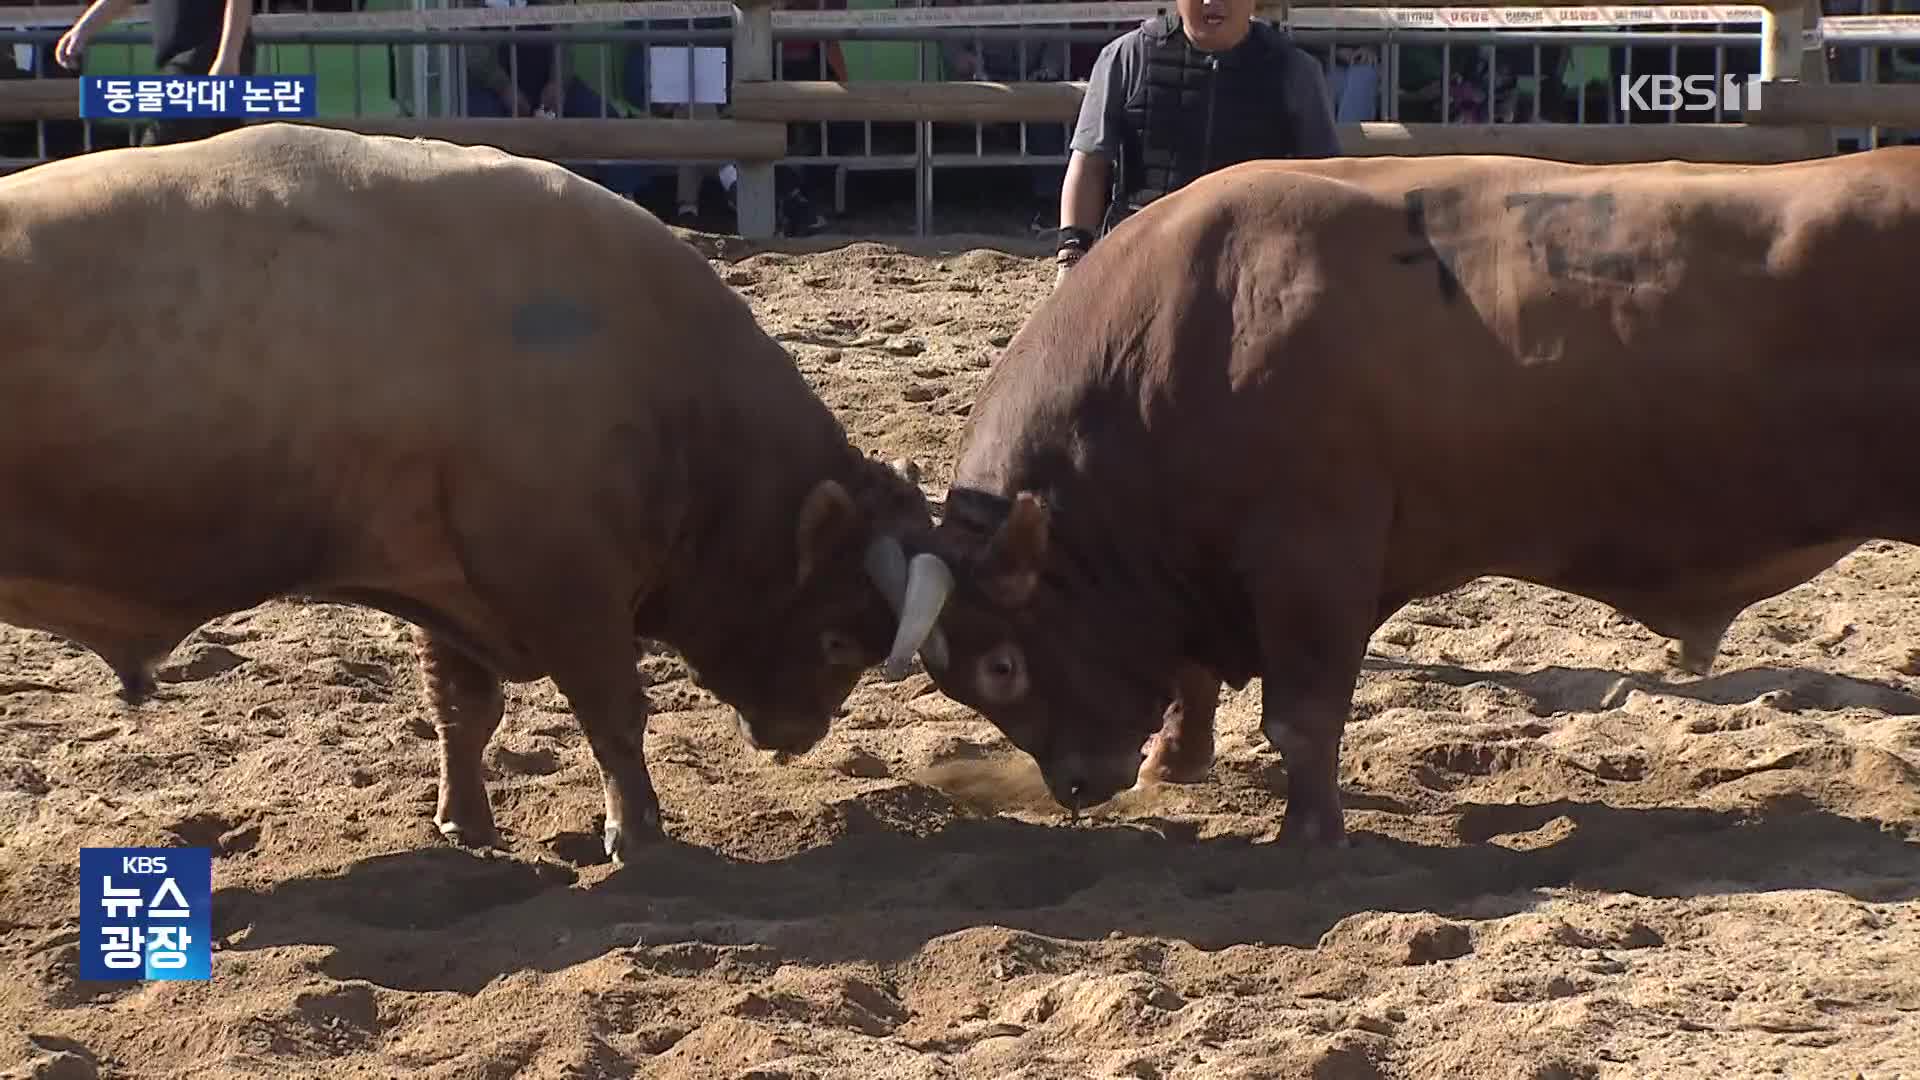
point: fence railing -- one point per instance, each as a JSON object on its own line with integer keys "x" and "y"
{"x": 1799, "y": 116}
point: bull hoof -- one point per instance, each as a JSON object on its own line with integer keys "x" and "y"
{"x": 623, "y": 840}
{"x": 469, "y": 834}
{"x": 1691, "y": 660}
{"x": 1165, "y": 764}
{"x": 1314, "y": 832}
{"x": 136, "y": 686}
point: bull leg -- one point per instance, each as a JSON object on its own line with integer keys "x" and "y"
{"x": 1696, "y": 646}
{"x": 609, "y": 700}
{"x": 467, "y": 706}
{"x": 568, "y": 595}
{"x": 1182, "y": 752}
{"x": 1306, "y": 694}
{"x": 1316, "y": 593}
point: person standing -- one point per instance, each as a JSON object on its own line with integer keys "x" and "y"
{"x": 190, "y": 37}
{"x": 1180, "y": 96}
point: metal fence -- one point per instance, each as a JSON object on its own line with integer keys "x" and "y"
{"x": 1511, "y": 65}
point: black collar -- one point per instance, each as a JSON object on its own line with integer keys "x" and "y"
{"x": 975, "y": 510}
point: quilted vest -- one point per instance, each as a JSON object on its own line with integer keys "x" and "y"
{"x": 1192, "y": 113}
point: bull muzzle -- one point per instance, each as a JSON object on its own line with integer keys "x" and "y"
{"x": 917, "y": 590}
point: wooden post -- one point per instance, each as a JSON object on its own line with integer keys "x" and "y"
{"x": 1786, "y": 29}
{"x": 1780, "y": 26}
{"x": 1813, "y": 72}
{"x": 753, "y": 62}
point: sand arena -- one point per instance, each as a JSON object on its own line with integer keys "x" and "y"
{"x": 1570, "y": 861}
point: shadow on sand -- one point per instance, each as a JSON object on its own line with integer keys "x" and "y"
{"x": 1570, "y": 689}
{"x": 442, "y": 919}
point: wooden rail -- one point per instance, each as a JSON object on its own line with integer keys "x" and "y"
{"x": 586, "y": 139}
{"x": 572, "y": 138}
{"x": 943, "y": 102}
{"x": 1587, "y": 144}
{"x": 39, "y": 99}
{"x": 1837, "y": 104}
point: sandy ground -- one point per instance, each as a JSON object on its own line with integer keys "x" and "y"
{"x": 1570, "y": 861}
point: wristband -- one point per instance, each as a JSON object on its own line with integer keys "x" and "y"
{"x": 1072, "y": 236}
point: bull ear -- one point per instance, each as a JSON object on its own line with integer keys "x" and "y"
{"x": 1010, "y": 568}
{"x": 827, "y": 517}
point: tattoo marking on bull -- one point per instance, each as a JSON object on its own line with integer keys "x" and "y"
{"x": 1573, "y": 237}
{"x": 553, "y": 321}
{"x": 1431, "y": 213}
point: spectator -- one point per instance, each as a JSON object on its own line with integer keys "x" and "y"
{"x": 804, "y": 60}
{"x": 1354, "y": 83}
{"x": 998, "y": 60}
{"x": 1470, "y": 100}
{"x": 635, "y": 85}
{"x": 1420, "y": 88}
{"x": 1001, "y": 60}
{"x": 1180, "y": 96}
{"x": 526, "y": 80}
{"x": 190, "y": 37}
{"x": 812, "y": 60}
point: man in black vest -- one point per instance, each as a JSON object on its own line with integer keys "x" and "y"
{"x": 1181, "y": 96}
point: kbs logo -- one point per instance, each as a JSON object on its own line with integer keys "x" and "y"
{"x": 1664, "y": 93}
{"x": 146, "y": 913}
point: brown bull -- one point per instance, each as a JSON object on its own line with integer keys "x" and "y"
{"x": 1272, "y": 409}
{"x": 472, "y": 390}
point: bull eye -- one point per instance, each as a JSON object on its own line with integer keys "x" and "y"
{"x": 1001, "y": 677}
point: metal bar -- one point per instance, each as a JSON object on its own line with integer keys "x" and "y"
{"x": 1555, "y": 12}
{"x": 1673, "y": 65}
{"x": 405, "y": 37}
{"x": 1539, "y": 80}
{"x": 1719, "y": 79}
{"x": 1493, "y": 68}
{"x": 922, "y": 150}
{"x": 712, "y": 37}
{"x": 1390, "y": 79}
{"x": 313, "y": 64}
{"x": 1619, "y": 115}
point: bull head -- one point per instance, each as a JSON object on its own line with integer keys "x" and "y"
{"x": 917, "y": 591}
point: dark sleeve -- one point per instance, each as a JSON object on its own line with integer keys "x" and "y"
{"x": 1310, "y": 107}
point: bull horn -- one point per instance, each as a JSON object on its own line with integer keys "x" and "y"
{"x": 887, "y": 566}
{"x": 928, "y": 583}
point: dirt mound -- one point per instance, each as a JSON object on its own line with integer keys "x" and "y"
{"x": 1568, "y": 862}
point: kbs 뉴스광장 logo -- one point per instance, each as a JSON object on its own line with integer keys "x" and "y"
{"x": 145, "y": 913}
